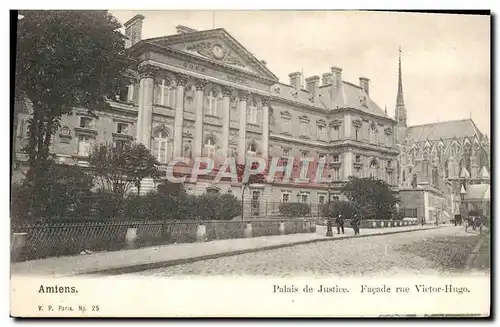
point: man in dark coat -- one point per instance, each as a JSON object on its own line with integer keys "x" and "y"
{"x": 340, "y": 224}
{"x": 355, "y": 224}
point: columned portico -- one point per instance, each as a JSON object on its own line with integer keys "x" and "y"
{"x": 181, "y": 81}
{"x": 242, "y": 150}
{"x": 145, "y": 114}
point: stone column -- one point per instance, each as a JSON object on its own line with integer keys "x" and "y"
{"x": 265, "y": 129}
{"x": 181, "y": 81}
{"x": 198, "y": 124}
{"x": 347, "y": 165}
{"x": 145, "y": 114}
{"x": 347, "y": 126}
{"x": 243, "y": 127}
{"x": 226, "y": 107}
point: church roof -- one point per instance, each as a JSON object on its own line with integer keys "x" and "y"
{"x": 443, "y": 130}
{"x": 478, "y": 192}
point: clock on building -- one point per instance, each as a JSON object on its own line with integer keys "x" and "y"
{"x": 65, "y": 131}
{"x": 218, "y": 51}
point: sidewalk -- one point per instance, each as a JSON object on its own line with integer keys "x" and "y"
{"x": 128, "y": 261}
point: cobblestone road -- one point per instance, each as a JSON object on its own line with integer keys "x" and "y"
{"x": 432, "y": 251}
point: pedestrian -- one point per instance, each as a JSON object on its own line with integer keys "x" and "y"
{"x": 340, "y": 224}
{"x": 355, "y": 224}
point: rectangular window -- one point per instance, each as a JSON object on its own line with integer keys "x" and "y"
{"x": 304, "y": 129}
{"x": 321, "y": 199}
{"x": 253, "y": 115}
{"x": 121, "y": 144}
{"x": 335, "y": 158}
{"x": 304, "y": 154}
{"x": 321, "y": 132}
{"x": 286, "y": 152}
{"x": 321, "y": 157}
{"x": 358, "y": 158}
{"x": 304, "y": 198}
{"x": 286, "y": 126}
{"x": 336, "y": 174}
{"x": 86, "y": 122}
{"x": 212, "y": 103}
{"x": 130, "y": 93}
{"x": 163, "y": 93}
{"x": 84, "y": 144}
{"x": 285, "y": 197}
{"x": 335, "y": 198}
{"x": 336, "y": 133}
{"x": 122, "y": 128}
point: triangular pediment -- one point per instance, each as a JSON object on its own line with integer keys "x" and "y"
{"x": 219, "y": 47}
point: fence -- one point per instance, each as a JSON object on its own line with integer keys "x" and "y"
{"x": 58, "y": 239}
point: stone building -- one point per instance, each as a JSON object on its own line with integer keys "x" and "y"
{"x": 201, "y": 93}
{"x": 431, "y": 159}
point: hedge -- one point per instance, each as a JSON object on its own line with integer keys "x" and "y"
{"x": 297, "y": 209}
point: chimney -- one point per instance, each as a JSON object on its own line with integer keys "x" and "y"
{"x": 296, "y": 80}
{"x": 336, "y": 77}
{"x": 133, "y": 29}
{"x": 364, "y": 83}
{"x": 264, "y": 62}
{"x": 312, "y": 84}
{"x": 181, "y": 29}
{"x": 327, "y": 79}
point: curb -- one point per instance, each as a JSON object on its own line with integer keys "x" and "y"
{"x": 473, "y": 255}
{"x": 167, "y": 263}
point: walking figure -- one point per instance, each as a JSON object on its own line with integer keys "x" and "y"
{"x": 340, "y": 224}
{"x": 355, "y": 224}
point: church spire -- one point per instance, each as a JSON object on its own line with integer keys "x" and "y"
{"x": 400, "y": 102}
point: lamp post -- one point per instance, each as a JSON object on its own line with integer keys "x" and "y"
{"x": 329, "y": 231}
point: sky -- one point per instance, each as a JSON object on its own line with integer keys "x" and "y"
{"x": 445, "y": 57}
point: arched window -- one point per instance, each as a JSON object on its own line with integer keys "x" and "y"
{"x": 161, "y": 146}
{"x": 210, "y": 147}
{"x": 212, "y": 103}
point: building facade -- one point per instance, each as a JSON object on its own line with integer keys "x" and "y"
{"x": 201, "y": 93}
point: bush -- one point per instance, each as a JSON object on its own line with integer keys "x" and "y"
{"x": 294, "y": 209}
{"x": 345, "y": 208}
{"x": 215, "y": 206}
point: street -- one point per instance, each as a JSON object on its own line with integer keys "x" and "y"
{"x": 439, "y": 251}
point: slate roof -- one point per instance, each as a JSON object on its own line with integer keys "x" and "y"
{"x": 443, "y": 130}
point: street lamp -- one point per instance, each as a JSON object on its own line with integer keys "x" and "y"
{"x": 329, "y": 231}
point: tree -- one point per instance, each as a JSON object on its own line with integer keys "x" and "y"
{"x": 64, "y": 189}
{"x": 118, "y": 168}
{"x": 64, "y": 59}
{"x": 173, "y": 190}
{"x": 372, "y": 197}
